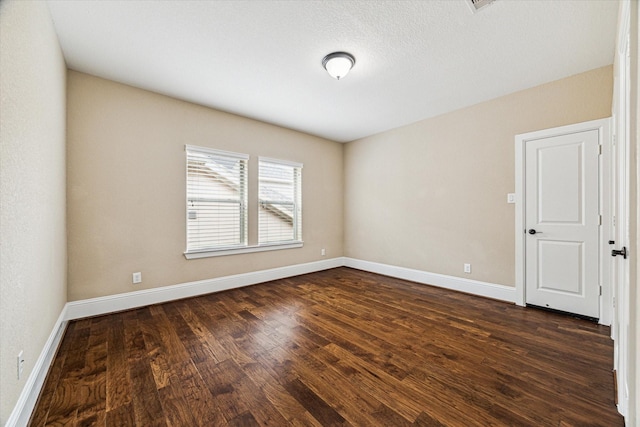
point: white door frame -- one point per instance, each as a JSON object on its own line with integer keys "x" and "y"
{"x": 622, "y": 353}
{"x": 603, "y": 126}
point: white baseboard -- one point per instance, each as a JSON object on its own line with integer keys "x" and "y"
{"x": 113, "y": 303}
{"x": 129, "y": 300}
{"x": 475, "y": 287}
{"x": 27, "y": 401}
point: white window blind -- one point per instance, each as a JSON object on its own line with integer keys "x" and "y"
{"x": 280, "y": 201}
{"x": 216, "y": 199}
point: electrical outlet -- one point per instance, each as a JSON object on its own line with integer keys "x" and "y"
{"x": 323, "y": 252}
{"x": 467, "y": 268}
{"x": 137, "y": 277}
{"x": 20, "y": 364}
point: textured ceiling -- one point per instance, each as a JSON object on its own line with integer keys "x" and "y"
{"x": 262, "y": 59}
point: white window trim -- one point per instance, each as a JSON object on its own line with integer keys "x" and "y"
{"x": 243, "y": 250}
{"x": 206, "y": 150}
{"x": 282, "y": 162}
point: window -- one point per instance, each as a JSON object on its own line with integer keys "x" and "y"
{"x": 216, "y": 199}
{"x": 280, "y": 207}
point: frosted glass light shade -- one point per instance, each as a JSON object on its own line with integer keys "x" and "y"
{"x": 338, "y": 64}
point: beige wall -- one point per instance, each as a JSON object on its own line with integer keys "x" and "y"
{"x": 126, "y": 187}
{"x": 32, "y": 190}
{"x": 432, "y": 195}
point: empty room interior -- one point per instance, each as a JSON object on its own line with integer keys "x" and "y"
{"x": 318, "y": 213}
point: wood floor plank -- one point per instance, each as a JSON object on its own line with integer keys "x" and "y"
{"x": 175, "y": 407}
{"x": 118, "y": 378}
{"x": 67, "y": 397}
{"x": 246, "y": 419}
{"x": 262, "y": 410}
{"x": 317, "y": 407}
{"x": 168, "y": 338}
{"x": 337, "y": 347}
{"x": 290, "y": 409}
{"x": 121, "y": 416}
{"x": 94, "y": 379}
{"x": 147, "y": 408}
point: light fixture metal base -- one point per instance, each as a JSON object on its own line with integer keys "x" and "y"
{"x": 342, "y": 68}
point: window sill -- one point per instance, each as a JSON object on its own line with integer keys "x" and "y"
{"x": 242, "y": 250}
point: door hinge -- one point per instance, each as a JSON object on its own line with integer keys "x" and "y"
{"x": 599, "y": 219}
{"x": 599, "y": 149}
{"x": 600, "y": 290}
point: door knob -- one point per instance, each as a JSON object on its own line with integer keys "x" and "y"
{"x": 533, "y": 231}
{"x": 623, "y": 252}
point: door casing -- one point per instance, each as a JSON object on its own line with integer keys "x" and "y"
{"x": 603, "y": 127}
{"x": 623, "y": 352}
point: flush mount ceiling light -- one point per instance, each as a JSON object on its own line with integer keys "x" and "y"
{"x": 338, "y": 64}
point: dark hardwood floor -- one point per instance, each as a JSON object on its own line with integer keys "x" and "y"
{"x": 338, "y": 347}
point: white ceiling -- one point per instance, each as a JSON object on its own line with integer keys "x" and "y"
{"x": 262, "y": 59}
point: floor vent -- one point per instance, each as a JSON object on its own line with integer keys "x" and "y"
{"x": 476, "y": 5}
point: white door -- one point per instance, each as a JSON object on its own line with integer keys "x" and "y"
{"x": 562, "y": 222}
